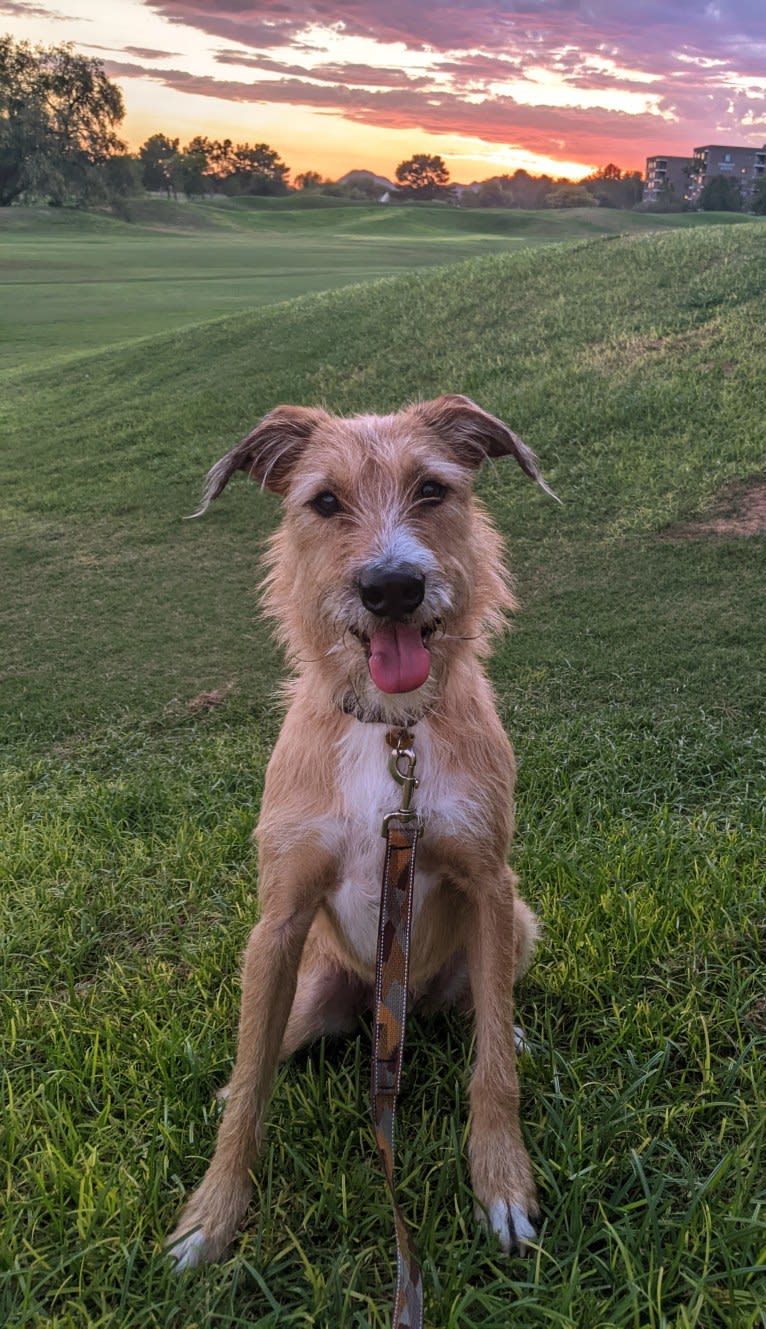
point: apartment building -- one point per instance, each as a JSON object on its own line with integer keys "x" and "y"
{"x": 745, "y": 165}
{"x": 663, "y": 173}
{"x": 688, "y": 175}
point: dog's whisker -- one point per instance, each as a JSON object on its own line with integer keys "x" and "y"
{"x": 451, "y": 636}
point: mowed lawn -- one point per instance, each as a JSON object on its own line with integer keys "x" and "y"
{"x": 632, "y": 686}
{"x": 71, "y": 282}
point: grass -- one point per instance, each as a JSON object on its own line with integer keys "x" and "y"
{"x": 76, "y": 282}
{"x": 632, "y": 686}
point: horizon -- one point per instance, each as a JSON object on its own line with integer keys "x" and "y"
{"x": 556, "y": 87}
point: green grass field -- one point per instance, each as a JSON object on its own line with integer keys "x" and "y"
{"x": 633, "y": 689}
{"x": 71, "y": 282}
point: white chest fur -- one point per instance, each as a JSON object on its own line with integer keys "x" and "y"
{"x": 367, "y": 792}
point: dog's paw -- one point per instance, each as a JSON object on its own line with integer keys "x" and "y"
{"x": 186, "y": 1250}
{"x": 504, "y": 1187}
{"x": 510, "y": 1223}
{"x": 519, "y": 1039}
{"x": 208, "y": 1222}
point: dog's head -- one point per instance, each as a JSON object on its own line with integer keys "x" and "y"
{"x": 384, "y": 561}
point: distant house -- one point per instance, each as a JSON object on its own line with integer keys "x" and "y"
{"x": 665, "y": 173}
{"x": 745, "y": 165}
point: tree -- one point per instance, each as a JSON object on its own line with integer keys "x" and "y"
{"x": 423, "y": 177}
{"x": 569, "y": 196}
{"x": 206, "y": 165}
{"x": 158, "y": 158}
{"x": 308, "y": 180}
{"x": 193, "y": 167}
{"x": 758, "y": 197}
{"x": 614, "y": 188}
{"x": 253, "y": 169}
{"x": 495, "y": 193}
{"x": 58, "y": 118}
{"x": 608, "y": 172}
{"x": 529, "y": 190}
{"x": 721, "y": 194}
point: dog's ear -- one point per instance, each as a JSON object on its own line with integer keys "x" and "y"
{"x": 268, "y": 453}
{"x": 474, "y": 435}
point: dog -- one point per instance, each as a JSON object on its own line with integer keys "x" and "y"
{"x": 386, "y": 582}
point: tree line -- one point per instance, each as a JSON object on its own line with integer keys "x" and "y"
{"x": 59, "y": 142}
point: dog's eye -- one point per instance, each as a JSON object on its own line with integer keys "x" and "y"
{"x": 432, "y": 491}
{"x": 326, "y": 504}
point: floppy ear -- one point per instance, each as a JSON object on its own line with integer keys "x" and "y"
{"x": 475, "y": 435}
{"x": 268, "y": 453}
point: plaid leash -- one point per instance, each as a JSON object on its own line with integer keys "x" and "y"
{"x": 402, "y": 830}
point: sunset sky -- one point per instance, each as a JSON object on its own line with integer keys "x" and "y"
{"x": 550, "y": 85}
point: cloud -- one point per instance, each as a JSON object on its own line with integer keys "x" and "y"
{"x": 622, "y": 73}
{"x": 357, "y": 75}
{"x": 496, "y": 120}
{"x": 475, "y": 25}
{"x": 149, "y": 53}
{"x": 21, "y": 9}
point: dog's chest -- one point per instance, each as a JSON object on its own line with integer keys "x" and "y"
{"x": 367, "y": 791}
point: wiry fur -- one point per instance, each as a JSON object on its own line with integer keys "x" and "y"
{"x": 309, "y": 963}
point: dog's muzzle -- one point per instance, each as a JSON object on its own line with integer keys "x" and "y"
{"x": 392, "y": 593}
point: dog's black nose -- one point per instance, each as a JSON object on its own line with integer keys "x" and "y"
{"x": 393, "y": 593}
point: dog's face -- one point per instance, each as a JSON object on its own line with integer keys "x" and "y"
{"x": 384, "y": 557}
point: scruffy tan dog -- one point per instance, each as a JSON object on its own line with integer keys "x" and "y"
{"x": 386, "y": 582}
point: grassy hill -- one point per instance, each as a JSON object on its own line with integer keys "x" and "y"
{"x": 73, "y": 281}
{"x": 632, "y": 687}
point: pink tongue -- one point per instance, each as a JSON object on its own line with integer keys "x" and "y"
{"x": 399, "y": 662}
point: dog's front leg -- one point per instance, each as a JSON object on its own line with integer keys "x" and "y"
{"x": 269, "y": 975}
{"x": 500, "y": 1167}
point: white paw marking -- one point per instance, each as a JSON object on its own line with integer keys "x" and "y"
{"x": 188, "y": 1251}
{"x": 519, "y": 1039}
{"x": 525, "y": 1232}
{"x": 510, "y": 1224}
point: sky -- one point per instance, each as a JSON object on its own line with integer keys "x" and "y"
{"x": 557, "y": 86}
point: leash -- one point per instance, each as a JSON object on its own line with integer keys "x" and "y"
{"x": 402, "y": 830}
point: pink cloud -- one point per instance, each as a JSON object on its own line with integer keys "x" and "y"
{"x": 469, "y": 45}
{"x": 496, "y": 120}
{"x": 370, "y": 76}
{"x": 638, "y": 27}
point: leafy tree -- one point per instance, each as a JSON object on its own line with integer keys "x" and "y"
{"x": 758, "y": 197}
{"x": 614, "y": 188}
{"x": 254, "y": 169}
{"x": 158, "y": 158}
{"x": 423, "y": 177}
{"x": 721, "y": 194}
{"x": 497, "y": 193}
{"x": 529, "y": 190}
{"x": 569, "y": 196}
{"x": 58, "y": 118}
{"x": 608, "y": 172}
{"x": 308, "y": 180}
{"x": 206, "y": 165}
{"x": 192, "y": 168}
{"x": 122, "y": 174}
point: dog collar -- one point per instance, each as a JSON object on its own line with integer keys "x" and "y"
{"x": 351, "y": 705}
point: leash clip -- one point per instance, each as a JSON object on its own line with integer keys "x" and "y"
{"x": 401, "y": 764}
